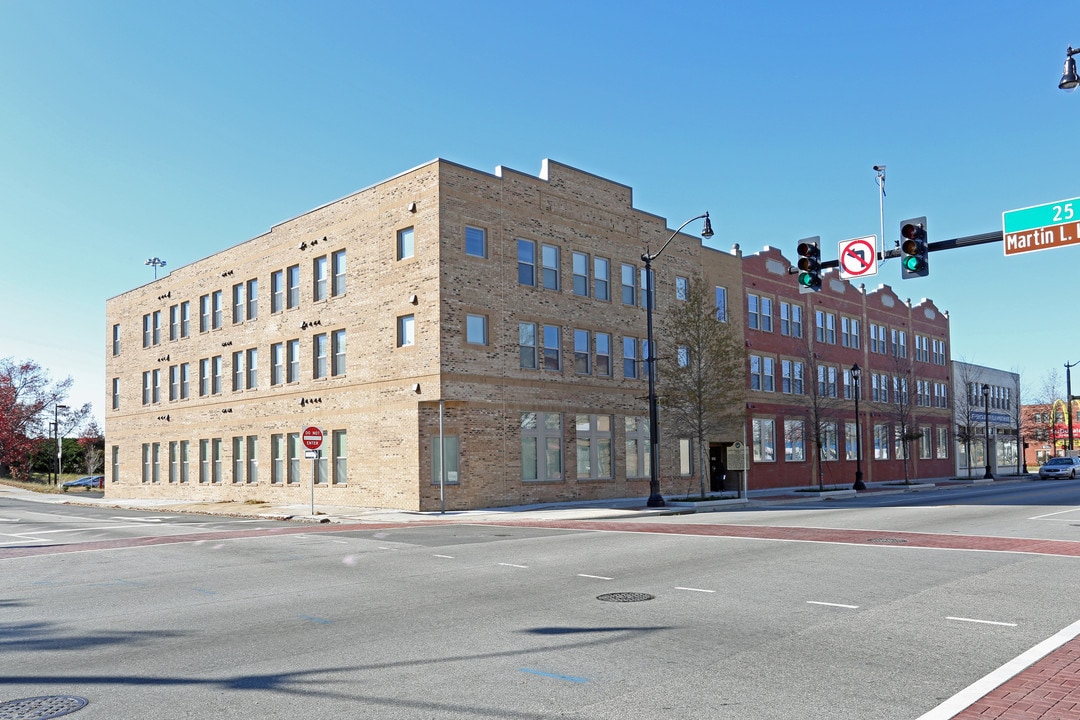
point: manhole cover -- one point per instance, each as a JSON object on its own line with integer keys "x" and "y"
{"x": 625, "y": 597}
{"x": 887, "y": 541}
{"x": 41, "y": 708}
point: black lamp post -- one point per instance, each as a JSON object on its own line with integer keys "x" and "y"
{"x": 1069, "y": 79}
{"x": 56, "y": 430}
{"x": 859, "y": 484}
{"x": 986, "y": 415}
{"x": 655, "y": 498}
{"x": 1069, "y": 397}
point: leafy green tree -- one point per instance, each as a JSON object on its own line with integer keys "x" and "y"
{"x": 702, "y": 384}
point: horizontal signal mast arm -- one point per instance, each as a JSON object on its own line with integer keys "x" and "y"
{"x": 981, "y": 239}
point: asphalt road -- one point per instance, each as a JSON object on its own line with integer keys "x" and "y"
{"x": 243, "y": 620}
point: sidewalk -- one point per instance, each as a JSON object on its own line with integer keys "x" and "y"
{"x": 622, "y": 508}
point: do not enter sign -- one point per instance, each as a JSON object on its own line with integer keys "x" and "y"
{"x": 312, "y": 438}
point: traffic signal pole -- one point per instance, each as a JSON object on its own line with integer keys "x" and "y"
{"x": 997, "y": 236}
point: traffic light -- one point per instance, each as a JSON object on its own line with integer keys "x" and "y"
{"x": 809, "y": 265}
{"x": 915, "y": 251}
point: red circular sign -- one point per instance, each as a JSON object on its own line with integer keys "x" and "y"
{"x": 312, "y": 438}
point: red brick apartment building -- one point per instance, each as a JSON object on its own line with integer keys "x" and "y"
{"x": 801, "y": 348}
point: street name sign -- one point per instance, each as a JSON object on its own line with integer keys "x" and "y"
{"x": 858, "y": 257}
{"x": 1041, "y": 227}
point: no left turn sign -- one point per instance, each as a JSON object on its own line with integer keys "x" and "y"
{"x": 858, "y": 257}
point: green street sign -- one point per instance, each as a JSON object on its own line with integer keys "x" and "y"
{"x": 1041, "y": 227}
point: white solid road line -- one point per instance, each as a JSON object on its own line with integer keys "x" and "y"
{"x": 963, "y": 699}
{"x": 594, "y": 577}
{"x": 523, "y": 567}
{"x": 694, "y": 589}
{"x": 981, "y": 622}
{"x": 829, "y": 604}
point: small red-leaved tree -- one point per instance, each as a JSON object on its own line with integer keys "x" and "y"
{"x": 26, "y": 394}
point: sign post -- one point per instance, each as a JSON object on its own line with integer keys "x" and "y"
{"x": 858, "y": 257}
{"x": 312, "y": 437}
{"x": 1041, "y": 227}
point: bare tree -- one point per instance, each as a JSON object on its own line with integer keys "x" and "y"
{"x": 967, "y": 406}
{"x": 820, "y": 400}
{"x": 1045, "y": 419}
{"x": 900, "y": 406}
{"x": 702, "y": 387}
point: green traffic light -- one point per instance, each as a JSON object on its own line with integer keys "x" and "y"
{"x": 806, "y": 279}
{"x": 912, "y": 264}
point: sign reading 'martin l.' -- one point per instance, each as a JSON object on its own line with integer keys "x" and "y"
{"x": 1041, "y": 227}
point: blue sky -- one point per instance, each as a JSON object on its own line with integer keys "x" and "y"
{"x": 137, "y": 129}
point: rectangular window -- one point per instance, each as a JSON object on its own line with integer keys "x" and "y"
{"x": 766, "y": 314}
{"x": 292, "y": 361}
{"x": 337, "y": 267}
{"x": 318, "y": 356}
{"x": 878, "y": 339}
{"x": 147, "y": 331}
{"x": 339, "y": 449}
{"x": 601, "y": 279}
{"x": 549, "y": 260}
{"x": 292, "y": 286}
{"x": 476, "y": 332}
{"x": 764, "y": 440}
{"x": 552, "y": 349}
{"x": 215, "y": 380}
{"x": 156, "y": 387}
{"x": 721, "y": 304}
{"x": 900, "y": 445}
{"x": 638, "y": 450}
{"x": 238, "y": 303}
{"x": 686, "y": 457}
{"x": 215, "y": 460}
{"x": 204, "y": 313}
{"x": 594, "y": 452}
{"x": 116, "y": 393}
{"x": 174, "y": 322}
{"x": 215, "y": 309}
{"x": 682, "y": 356}
{"x": 582, "y": 357}
{"x": 794, "y": 441}
{"x": 527, "y": 345}
{"x": 204, "y": 461}
{"x": 204, "y": 377}
{"x": 277, "y": 459}
{"x": 277, "y": 291}
{"x": 825, "y": 327}
{"x": 184, "y": 467}
{"x": 881, "y": 442}
{"x": 145, "y": 463}
{"x": 942, "y": 444}
{"x": 925, "y": 443}
{"x": 337, "y": 352}
{"x": 185, "y": 319}
{"x": 405, "y": 243}
{"x": 682, "y": 288}
{"x": 450, "y": 456}
{"x": 851, "y": 441}
{"x": 849, "y": 332}
{"x": 146, "y": 388}
{"x": 157, "y": 327}
{"x": 116, "y": 463}
{"x": 603, "y": 354}
{"x": 629, "y": 288}
{"x": 277, "y": 363}
{"x": 475, "y": 242}
{"x": 238, "y": 370}
{"x": 174, "y": 382}
{"x": 526, "y": 253}
{"x": 116, "y": 339}
{"x": 293, "y": 447}
{"x": 238, "y": 459}
{"x": 768, "y": 372}
{"x": 318, "y": 278}
{"x": 829, "y": 441}
{"x": 755, "y": 372}
{"x": 629, "y": 353}
{"x": 252, "y": 299}
{"x": 406, "y": 330}
{"x": 790, "y": 319}
{"x": 581, "y": 274}
{"x": 252, "y": 368}
{"x": 753, "y": 311}
{"x": 253, "y": 458}
{"x": 541, "y": 446}
{"x": 155, "y": 466}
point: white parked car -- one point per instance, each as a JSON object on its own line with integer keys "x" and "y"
{"x": 1060, "y": 467}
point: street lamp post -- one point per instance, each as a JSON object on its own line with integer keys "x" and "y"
{"x": 986, "y": 415}
{"x": 59, "y": 443}
{"x": 1069, "y": 399}
{"x": 156, "y": 262}
{"x": 655, "y": 499}
{"x": 859, "y": 484}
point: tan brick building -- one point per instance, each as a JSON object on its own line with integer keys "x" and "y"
{"x": 504, "y": 308}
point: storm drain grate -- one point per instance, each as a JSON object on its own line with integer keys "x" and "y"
{"x": 625, "y": 597}
{"x": 41, "y": 708}
{"x": 888, "y": 541}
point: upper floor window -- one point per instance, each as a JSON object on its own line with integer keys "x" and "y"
{"x": 790, "y": 319}
{"x": 337, "y": 282}
{"x": 238, "y": 303}
{"x": 292, "y": 284}
{"x": 549, "y": 259}
{"x": 526, "y": 253}
{"x": 406, "y": 330}
{"x": 476, "y": 332}
{"x": 337, "y": 353}
{"x": 475, "y": 241}
{"x": 682, "y": 287}
{"x": 318, "y": 276}
{"x": 204, "y": 313}
{"x": 185, "y": 319}
{"x": 629, "y": 285}
{"x": 721, "y": 304}
{"x": 252, "y": 299}
{"x": 849, "y": 332}
{"x": 116, "y": 339}
{"x": 277, "y": 291}
{"x": 601, "y": 279}
{"x": 216, "y": 309}
{"x": 405, "y": 243}
{"x": 581, "y": 274}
